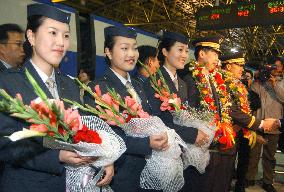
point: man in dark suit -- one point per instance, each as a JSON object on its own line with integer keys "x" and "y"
{"x": 148, "y": 56}
{"x": 11, "y": 46}
{"x": 86, "y": 76}
{"x": 11, "y": 50}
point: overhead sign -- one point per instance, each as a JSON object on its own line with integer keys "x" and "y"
{"x": 241, "y": 15}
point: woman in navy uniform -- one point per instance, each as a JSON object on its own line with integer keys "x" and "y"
{"x": 121, "y": 55}
{"x": 172, "y": 54}
{"x": 28, "y": 165}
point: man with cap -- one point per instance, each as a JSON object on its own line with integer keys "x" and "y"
{"x": 204, "y": 87}
{"x": 29, "y": 166}
{"x": 244, "y": 122}
{"x": 207, "y": 51}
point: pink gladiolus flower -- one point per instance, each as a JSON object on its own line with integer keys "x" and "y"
{"x": 159, "y": 82}
{"x": 115, "y": 106}
{"x": 129, "y": 101}
{"x": 39, "y": 127}
{"x": 107, "y": 99}
{"x": 157, "y": 95}
{"x": 72, "y": 118}
{"x": 111, "y": 122}
{"x": 19, "y": 96}
{"x": 165, "y": 105}
{"x": 121, "y": 120}
{"x": 165, "y": 93}
{"x": 98, "y": 90}
{"x": 143, "y": 114}
{"x": 40, "y": 107}
{"x": 132, "y": 104}
{"x": 59, "y": 104}
{"x": 109, "y": 112}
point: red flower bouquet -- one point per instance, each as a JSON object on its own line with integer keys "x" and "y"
{"x": 164, "y": 169}
{"x": 65, "y": 129}
{"x": 185, "y": 116}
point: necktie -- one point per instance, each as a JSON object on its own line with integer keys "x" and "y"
{"x": 51, "y": 87}
{"x": 175, "y": 81}
{"x": 132, "y": 92}
{"x": 215, "y": 96}
{"x": 82, "y": 92}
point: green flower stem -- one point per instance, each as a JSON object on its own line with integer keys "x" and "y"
{"x": 39, "y": 92}
{"x": 17, "y": 108}
{"x": 94, "y": 111}
{"x": 117, "y": 97}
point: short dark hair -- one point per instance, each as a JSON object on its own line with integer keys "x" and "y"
{"x": 8, "y": 27}
{"x": 146, "y": 52}
{"x": 249, "y": 71}
{"x": 167, "y": 44}
{"x": 34, "y": 22}
{"x": 89, "y": 71}
{"x": 279, "y": 59}
{"x": 202, "y": 48}
{"x": 109, "y": 43}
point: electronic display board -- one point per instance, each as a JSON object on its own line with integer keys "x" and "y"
{"x": 241, "y": 15}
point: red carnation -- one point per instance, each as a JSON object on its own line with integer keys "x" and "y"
{"x": 87, "y": 135}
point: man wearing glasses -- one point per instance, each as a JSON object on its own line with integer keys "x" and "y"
{"x": 11, "y": 46}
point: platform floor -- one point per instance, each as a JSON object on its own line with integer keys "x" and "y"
{"x": 279, "y": 177}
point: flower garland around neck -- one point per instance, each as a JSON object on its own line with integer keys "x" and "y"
{"x": 240, "y": 95}
{"x": 225, "y": 134}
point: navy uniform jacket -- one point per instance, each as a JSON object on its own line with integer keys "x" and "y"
{"x": 87, "y": 97}
{"x": 2, "y": 67}
{"x": 194, "y": 101}
{"x": 188, "y": 134}
{"x": 3, "y": 141}
{"x": 194, "y": 94}
{"x": 140, "y": 78}
{"x": 192, "y": 91}
{"x": 243, "y": 119}
{"x": 130, "y": 165}
{"x": 239, "y": 117}
{"x": 28, "y": 166}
